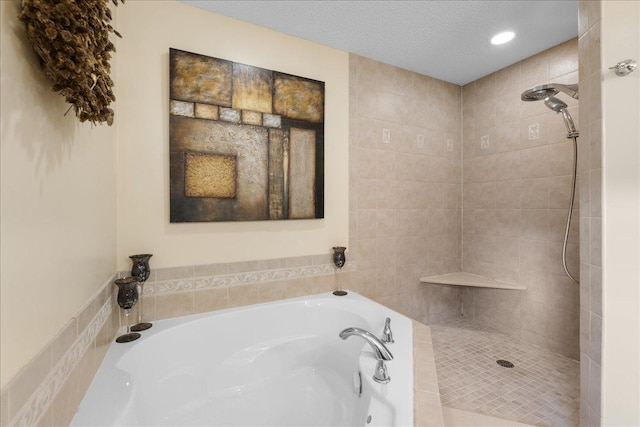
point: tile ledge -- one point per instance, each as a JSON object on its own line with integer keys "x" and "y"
{"x": 469, "y": 279}
{"x": 427, "y": 405}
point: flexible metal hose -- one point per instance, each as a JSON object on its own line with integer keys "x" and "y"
{"x": 573, "y": 194}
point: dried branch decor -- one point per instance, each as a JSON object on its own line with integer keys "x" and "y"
{"x": 72, "y": 40}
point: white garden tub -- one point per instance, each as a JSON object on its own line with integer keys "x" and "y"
{"x": 275, "y": 364}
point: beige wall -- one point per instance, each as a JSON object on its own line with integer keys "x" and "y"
{"x": 620, "y": 39}
{"x": 150, "y": 28}
{"x": 405, "y": 204}
{"x": 58, "y": 204}
{"x": 516, "y": 197}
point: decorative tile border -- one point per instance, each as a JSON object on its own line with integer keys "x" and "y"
{"x": 40, "y": 401}
{"x": 239, "y": 279}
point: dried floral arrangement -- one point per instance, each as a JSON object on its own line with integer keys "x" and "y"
{"x": 71, "y": 37}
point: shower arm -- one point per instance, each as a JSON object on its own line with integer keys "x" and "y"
{"x": 571, "y": 90}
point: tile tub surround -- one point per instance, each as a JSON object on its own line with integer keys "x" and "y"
{"x": 48, "y": 390}
{"x": 180, "y": 291}
{"x": 542, "y": 389}
{"x": 427, "y": 403}
{"x": 517, "y": 165}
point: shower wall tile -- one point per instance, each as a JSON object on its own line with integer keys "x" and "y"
{"x": 408, "y": 213}
{"x": 516, "y": 187}
{"x": 590, "y": 177}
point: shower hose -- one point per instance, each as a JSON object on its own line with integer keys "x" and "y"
{"x": 573, "y": 194}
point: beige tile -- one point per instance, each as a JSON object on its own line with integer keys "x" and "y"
{"x": 427, "y": 410}
{"x": 507, "y": 136}
{"x": 558, "y": 222}
{"x": 299, "y": 261}
{"x": 595, "y": 192}
{"x": 322, "y": 284}
{"x": 596, "y": 290}
{"x": 533, "y": 255}
{"x": 425, "y": 376}
{"x": 485, "y": 119}
{"x": 86, "y": 315}
{"x": 452, "y": 196}
{"x": 508, "y": 194}
{"x": 4, "y": 408}
{"x": 485, "y": 222}
{"x": 507, "y": 253}
{"x": 596, "y": 242}
{"x": 86, "y": 369}
{"x": 385, "y": 282}
{"x": 561, "y": 159}
{"x": 508, "y": 223}
{"x": 103, "y": 341}
{"x": 563, "y": 59}
{"x": 367, "y": 227}
{"x": 534, "y": 224}
{"x": 66, "y": 402}
{"x": 174, "y": 273}
{"x": 273, "y": 291}
{"x": 535, "y": 70}
{"x": 507, "y": 166}
{"x": 392, "y": 107}
{"x": 534, "y": 130}
{"x": 46, "y": 419}
{"x": 534, "y": 193}
{"x": 509, "y": 79}
{"x": 366, "y": 193}
{"x": 510, "y": 106}
{"x": 595, "y": 343}
{"x": 366, "y": 161}
{"x": 173, "y": 305}
{"x": 243, "y": 295}
{"x": 210, "y": 269}
{"x": 65, "y": 338}
{"x": 28, "y": 380}
{"x": 323, "y": 259}
{"x": 485, "y": 88}
{"x": 367, "y": 99}
{"x": 487, "y": 195}
{"x": 299, "y": 287}
{"x": 534, "y": 162}
{"x": 210, "y": 299}
{"x": 366, "y": 253}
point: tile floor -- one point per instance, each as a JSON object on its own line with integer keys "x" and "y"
{"x": 542, "y": 389}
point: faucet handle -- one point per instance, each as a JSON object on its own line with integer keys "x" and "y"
{"x": 387, "y": 335}
{"x": 381, "y": 375}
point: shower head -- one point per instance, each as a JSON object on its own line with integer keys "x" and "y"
{"x": 560, "y": 107}
{"x": 555, "y": 104}
{"x": 539, "y": 93}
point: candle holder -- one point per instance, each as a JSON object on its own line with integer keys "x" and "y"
{"x": 141, "y": 271}
{"x": 127, "y": 298}
{"x": 339, "y": 259}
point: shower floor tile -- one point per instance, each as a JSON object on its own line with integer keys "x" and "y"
{"x": 543, "y": 388}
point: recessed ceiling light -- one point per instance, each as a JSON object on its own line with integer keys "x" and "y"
{"x": 502, "y": 38}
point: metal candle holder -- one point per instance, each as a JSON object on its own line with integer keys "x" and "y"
{"x": 141, "y": 271}
{"x": 339, "y": 259}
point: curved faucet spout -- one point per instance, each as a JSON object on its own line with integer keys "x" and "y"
{"x": 381, "y": 351}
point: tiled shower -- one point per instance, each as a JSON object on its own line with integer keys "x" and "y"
{"x": 426, "y": 201}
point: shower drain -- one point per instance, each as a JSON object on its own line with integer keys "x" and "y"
{"x": 505, "y": 363}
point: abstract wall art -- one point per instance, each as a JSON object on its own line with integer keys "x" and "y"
{"x": 246, "y": 143}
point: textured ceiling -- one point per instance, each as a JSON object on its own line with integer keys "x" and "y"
{"x": 448, "y": 39}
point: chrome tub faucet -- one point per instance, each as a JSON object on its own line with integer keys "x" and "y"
{"x": 381, "y": 351}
